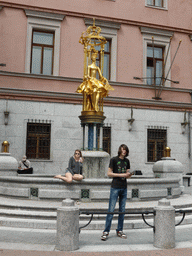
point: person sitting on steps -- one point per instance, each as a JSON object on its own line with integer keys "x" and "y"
{"x": 24, "y": 166}
{"x": 74, "y": 169}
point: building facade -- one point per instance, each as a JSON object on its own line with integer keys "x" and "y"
{"x": 147, "y": 62}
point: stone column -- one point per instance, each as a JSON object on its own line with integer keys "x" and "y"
{"x": 101, "y": 138}
{"x": 86, "y": 137}
{"x": 67, "y": 226}
{"x": 164, "y": 235}
{"x": 83, "y": 137}
{"x": 94, "y": 136}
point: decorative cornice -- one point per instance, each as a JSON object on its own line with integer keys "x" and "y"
{"x": 71, "y": 98}
{"x": 157, "y": 32}
{"x": 46, "y": 77}
{"x": 79, "y": 80}
{"x": 102, "y": 23}
{"x": 44, "y": 15}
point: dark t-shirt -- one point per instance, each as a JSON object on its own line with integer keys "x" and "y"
{"x": 119, "y": 165}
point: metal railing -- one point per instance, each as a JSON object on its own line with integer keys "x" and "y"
{"x": 143, "y": 213}
{"x": 89, "y": 212}
{"x": 183, "y": 211}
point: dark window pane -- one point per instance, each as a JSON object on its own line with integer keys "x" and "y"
{"x": 38, "y": 141}
{"x": 155, "y": 65}
{"x": 156, "y": 144}
{"x": 106, "y": 138}
{"x": 42, "y": 53}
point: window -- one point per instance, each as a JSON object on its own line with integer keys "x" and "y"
{"x": 43, "y": 42}
{"x": 107, "y": 59}
{"x": 38, "y": 140}
{"x": 162, "y": 49}
{"x": 161, "y": 4}
{"x": 156, "y": 144}
{"x": 155, "y": 65}
{"x": 42, "y": 52}
{"x": 158, "y": 3}
{"x": 106, "y": 138}
{"x": 109, "y": 31}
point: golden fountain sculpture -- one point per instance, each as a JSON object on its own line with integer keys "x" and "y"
{"x": 95, "y": 86}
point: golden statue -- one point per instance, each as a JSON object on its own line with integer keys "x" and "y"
{"x": 93, "y": 89}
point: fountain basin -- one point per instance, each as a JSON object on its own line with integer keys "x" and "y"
{"x": 46, "y": 187}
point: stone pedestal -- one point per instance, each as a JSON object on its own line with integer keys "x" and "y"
{"x": 168, "y": 167}
{"x": 67, "y": 226}
{"x": 95, "y": 164}
{"x": 8, "y": 165}
{"x": 164, "y": 222}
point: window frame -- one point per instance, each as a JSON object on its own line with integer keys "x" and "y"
{"x": 42, "y": 46}
{"x": 45, "y": 22}
{"x": 109, "y": 31}
{"x": 156, "y": 59}
{"x": 164, "y": 7}
{"x": 156, "y": 141}
{"x": 38, "y": 135}
{"x": 161, "y": 38}
{"x": 106, "y": 53}
{"x": 106, "y": 129}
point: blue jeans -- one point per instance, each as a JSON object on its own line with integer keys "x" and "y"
{"x": 114, "y": 194}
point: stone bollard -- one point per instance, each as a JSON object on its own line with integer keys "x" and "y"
{"x": 67, "y": 226}
{"x": 164, "y": 222}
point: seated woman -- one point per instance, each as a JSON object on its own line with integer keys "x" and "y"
{"x": 74, "y": 169}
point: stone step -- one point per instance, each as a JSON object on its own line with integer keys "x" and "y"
{"x": 31, "y": 214}
{"x": 94, "y": 225}
{"x": 27, "y": 214}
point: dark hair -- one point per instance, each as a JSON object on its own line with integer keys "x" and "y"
{"x": 124, "y": 147}
{"x": 79, "y": 152}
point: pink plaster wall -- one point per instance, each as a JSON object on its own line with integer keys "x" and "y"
{"x": 130, "y": 54}
{"x": 178, "y": 14}
{"x": 13, "y": 30}
{"x": 71, "y": 52}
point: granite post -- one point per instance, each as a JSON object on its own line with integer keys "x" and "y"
{"x": 164, "y": 235}
{"x": 67, "y": 226}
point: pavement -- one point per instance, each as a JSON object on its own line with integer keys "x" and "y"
{"x": 18, "y": 241}
{"x": 37, "y": 242}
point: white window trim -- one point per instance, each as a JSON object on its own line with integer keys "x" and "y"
{"x": 109, "y": 31}
{"x": 157, "y": 7}
{"x": 47, "y": 21}
{"x": 161, "y": 38}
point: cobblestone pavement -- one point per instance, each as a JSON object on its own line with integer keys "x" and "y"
{"x": 171, "y": 252}
{"x": 18, "y": 242}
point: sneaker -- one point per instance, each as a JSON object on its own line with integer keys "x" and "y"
{"x": 121, "y": 234}
{"x": 104, "y": 236}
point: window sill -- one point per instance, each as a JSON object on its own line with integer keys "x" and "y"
{"x": 150, "y": 162}
{"x": 157, "y": 7}
{"x": 40, "y": 160}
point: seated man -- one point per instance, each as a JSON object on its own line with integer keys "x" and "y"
{"x": 25, "y": 166}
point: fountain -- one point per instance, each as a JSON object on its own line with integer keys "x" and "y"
{"x": 96, "y": 185}
{"x": 94, "y": 88}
